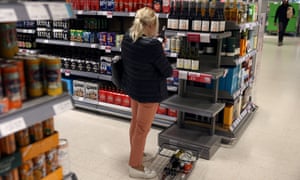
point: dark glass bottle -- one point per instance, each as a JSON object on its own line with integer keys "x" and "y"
{"x": 197, "y": 21}
{"x": 172, "y": 23}
{"x": 222, "y": 22}
{"x": 206, "y": 20}
{"x": 214, "y": 23}
{"x": 184, "y": 17}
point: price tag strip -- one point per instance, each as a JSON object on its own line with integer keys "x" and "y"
{"x": 12, "y": 126}
{"x": 63, "y": 106}
{"x": 8, "y": 15}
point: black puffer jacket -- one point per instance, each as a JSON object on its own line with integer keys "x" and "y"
{"x": 145, "y": 69}
{"x": 280, "y": 13}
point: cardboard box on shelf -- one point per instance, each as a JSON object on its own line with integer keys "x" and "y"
{"x": 42, "y": 146}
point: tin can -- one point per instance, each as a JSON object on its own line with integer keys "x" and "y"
{"x": 8, "y": 144}
{"x": 39, "y": 167}
{"x": 53, "y": 75}
{"x": 48, "y": 127}
{"x": 51, "y": 160}
{"x": 111, "y": 39}
{"x": 22, "y": 138}
{"x": 63, "y": 156}
{"x": 11, "y": 82}
{"x": 12, "y": 175}
{"x": 34, "y": 76}
{"x": 26, "y": 171}
{"x": 103, "y": 38}
{"x": 36, "y": 132}
{"x": 20, "y": 65}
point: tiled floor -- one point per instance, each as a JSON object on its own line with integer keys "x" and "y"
{"x": 269, "y": 149}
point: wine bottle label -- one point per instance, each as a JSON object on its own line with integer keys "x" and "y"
{"x": 214, "y": 26}
{"x": 205, "y": 26}
{"x": 195, "y": 65}
{"x": 187, "y": 64}
{"x": 175, "y": 23}
{"x": 222, "y": 26}
{"x": 183, "y": 24}
{"x": 169, "y": 23}
{"x": 179, "y": 63}
{"x": 196, "y": 25}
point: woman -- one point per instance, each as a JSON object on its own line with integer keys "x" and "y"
{"x": 144, "y": 80}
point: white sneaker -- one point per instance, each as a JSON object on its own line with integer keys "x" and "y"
{"x": 148, "y": 157}
{"x": 146, "y": 174}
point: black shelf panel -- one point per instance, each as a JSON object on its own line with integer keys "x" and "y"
{"x": 69, "y": 72}
{"x": 234, "y": 61}
{"x": 34, "y": 111}
{"x": 196, "y": 106}
{"x": 22, "y": 11}
{"x": 120, "y": 111}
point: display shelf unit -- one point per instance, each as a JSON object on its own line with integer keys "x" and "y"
{"x": 21, "y": 11}
{"x": 120, "y": 111}
{"x": 69, "y": 72}
{"x": 234, "y": 26}
{"x": 206, "y": 35}
{"x": 26, "y": 31}
{"x": 233, "y": 61}
{"x": 34, "y": 111}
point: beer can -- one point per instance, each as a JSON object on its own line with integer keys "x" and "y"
{"x": 34, "y": 76}
{"x": 39, "y": 170}
{"x": 11, "y": 175}
{"x": 51, "y": 160}
{"x": 11, "y": 84}
{"x": 22, "y": 138}
{"x": 26, "y": 170}
{"x": 53, "y": 75}
{"x": 36, "y": 132}
{"x": 48, "y": 127}
{"x": 8, "y": 144}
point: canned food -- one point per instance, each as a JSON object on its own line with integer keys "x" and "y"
{"x": 34, "y": 78}
{"x": 36, "y": 132}
{"x": 22, "y": 138}
{"x": 8, "y": 144}
{"x": 12, "y": 175}
{"x": 53, "y": 75}
{"x": 48, "y": 127}
{"x": 11, "y": 84}
{"x": 39, "y": 167}
{"x": 51, "y": 160}
{"x": 26, "y": 171}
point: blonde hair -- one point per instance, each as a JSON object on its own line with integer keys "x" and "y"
{"x": 144, "y": 17}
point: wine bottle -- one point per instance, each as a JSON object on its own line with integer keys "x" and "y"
{"x": 197, "y": 20}
{"x": 206, "y": 20}
{"x": 214, "y": 23}
{"x": 184, "y": 18}
{"x": 222, "y": 22}
{"x": 172, "y": 23}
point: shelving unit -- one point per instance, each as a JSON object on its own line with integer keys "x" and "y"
{"x": 38, "y": 109}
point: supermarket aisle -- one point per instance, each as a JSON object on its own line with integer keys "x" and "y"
{"x": 268, "y": 149}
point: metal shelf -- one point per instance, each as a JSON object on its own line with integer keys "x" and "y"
{"x": 26, "y": 31}
{"x": 110, "y": 14}
{"x": 234, "y": 61}
{"x": 230, "y": 25}
{"x": 28, "y": 51}
{"x": 107, "y": 49}
{"x": 69, "y": 72}
{"x": 34, "y": 111}
{"x": 196, "y": 106}
{"x": 21, "y": 11}
{"x": 211, "y": 35}
{"x": 120, "y": 111}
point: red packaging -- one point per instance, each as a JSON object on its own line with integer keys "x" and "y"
{"x": 161, "y": 110}
{"x": 121, "y": 5}
{"x": 172, "y": 112}
{"x": 166, "y": 6}
{"x": 125, "y": 100}
{"x": 117, "y": 5}
{"x": 110, "y": 97}
{"x": 126, "y": 5}
{"x": 118, "y": 99}
{"x": 135, "y": 5}
{"x": 140, "y": 4}
{"x": 102, "y": 95}
{"x": 130, "y": 5}
{"x": 149, "y": 3}
{"x": 157, "y": 5}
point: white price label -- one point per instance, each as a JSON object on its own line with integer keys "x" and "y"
{"x": 173, "y": 54}
{"x": 12, "y": 126}
{"x": 63, "y": 106}
{"x": 108, "y": 49}
{"x": 181, "y": 34}
{"x": 67, "y": 72}
{"x": 59, "y": 11}
{"x": 183, "y": 75}
{"x": 109, "y": 14}
{"x": 72, "y": 43}
{"x": 37, "y": 11}
{"x": 79, "y": 12}
{"x": 93, "y": 45}
{"x": 46, "y": 41}
{"x": 7, "y": 15}
{"x": 131, "y": 14}
{"x": 205, "y": 37}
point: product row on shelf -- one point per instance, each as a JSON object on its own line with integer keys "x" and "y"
{"x": 35, "y": 152}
